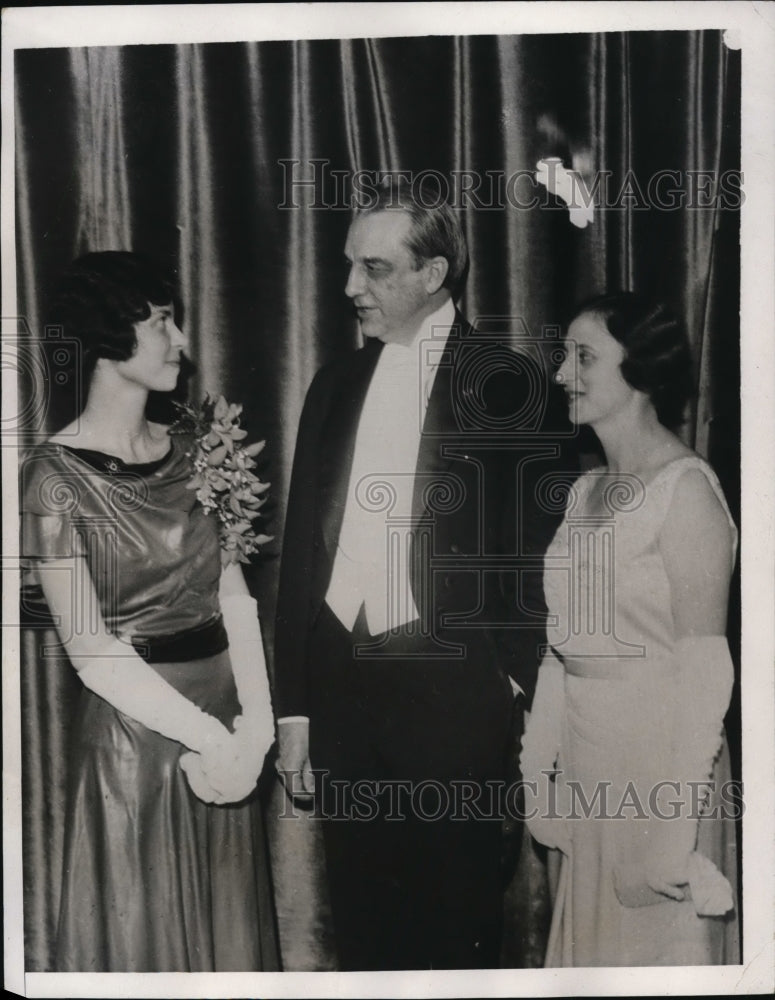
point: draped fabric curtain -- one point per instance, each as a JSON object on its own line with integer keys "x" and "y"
{"x": 230, "y": 163}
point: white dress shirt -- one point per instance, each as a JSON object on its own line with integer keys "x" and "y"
{"x": 371, "y": 566}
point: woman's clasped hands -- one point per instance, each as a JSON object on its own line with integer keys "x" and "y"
{"x": 228, "y": 768}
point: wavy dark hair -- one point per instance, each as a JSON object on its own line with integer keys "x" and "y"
{"x": 436, "y": 230}
{"x": 98, "y": 300}
{"x": 658, "y": 359}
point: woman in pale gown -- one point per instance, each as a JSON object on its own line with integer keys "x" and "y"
{"x": 625, "y": 747}
{"x": 160, "y": 871}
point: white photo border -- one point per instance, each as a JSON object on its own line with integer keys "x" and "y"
{"x": 753, "y": 28}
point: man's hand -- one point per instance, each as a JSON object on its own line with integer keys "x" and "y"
{"x": 293, "y": 764}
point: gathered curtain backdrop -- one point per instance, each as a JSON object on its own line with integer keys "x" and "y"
{"x": 198, "y": 155}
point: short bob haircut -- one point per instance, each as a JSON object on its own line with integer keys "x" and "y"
{"x": 435, "y": 231}
{"x": 657, "y": 358}
{"x": 99, "y": 299}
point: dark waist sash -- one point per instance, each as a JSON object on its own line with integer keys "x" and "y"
{"x": 196, "y": 643}
{"x": 192, "y": 644}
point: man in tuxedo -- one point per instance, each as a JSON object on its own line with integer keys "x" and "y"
{"x": 410, "y": 609}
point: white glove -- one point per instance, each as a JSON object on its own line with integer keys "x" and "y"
{"x": 711, "y": 891}
{"x": 701, "y": 693}
{"x": 222, "y": 768}
{"x": 226, "y": 776}
{"x": 538, "y": 760}
{"x": 255, "y": 728}
{"x": 113, "y": 670}
{"x": 130, "y": 685}
{"x": 704, "y": 680}
{"x": 229, "y": 772}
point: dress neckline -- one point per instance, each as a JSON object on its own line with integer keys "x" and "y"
{"x": 660, "y": 472}
{"x": 112, "y": 465}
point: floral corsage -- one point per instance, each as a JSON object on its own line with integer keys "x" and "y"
{"x": 223, "y": 478}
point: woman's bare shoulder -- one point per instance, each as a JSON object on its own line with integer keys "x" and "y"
{"x": 697, "y": 515}
{"x": 672, "y": 449}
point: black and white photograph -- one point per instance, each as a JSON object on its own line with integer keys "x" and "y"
{"x": 388, "y": 445}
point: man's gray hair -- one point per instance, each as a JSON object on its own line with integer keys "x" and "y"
{"x": 435, "y": 232}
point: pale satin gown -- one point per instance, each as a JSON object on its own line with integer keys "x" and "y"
{"x": 611, "y": 621}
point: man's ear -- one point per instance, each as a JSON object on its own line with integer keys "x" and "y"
{"x": 436, "y": 272}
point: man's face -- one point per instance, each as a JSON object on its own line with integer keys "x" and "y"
{"x": 390, "y": 295}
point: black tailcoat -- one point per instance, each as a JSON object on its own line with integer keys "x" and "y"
{"x": 493, "y": 454}
{"x": 431, "y": 703}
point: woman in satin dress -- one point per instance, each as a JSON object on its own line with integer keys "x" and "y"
{"x": 164, "y": 861}
{"x": 625, "y": 747}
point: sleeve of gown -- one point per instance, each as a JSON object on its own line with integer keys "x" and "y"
{"x": 50, "y": 496}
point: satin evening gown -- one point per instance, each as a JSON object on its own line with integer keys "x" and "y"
{"x": 610, "y": 620}
{"x": 153, "y": 878}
